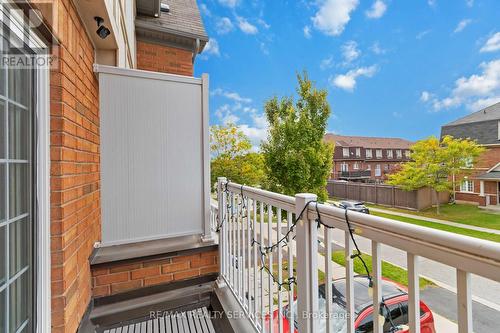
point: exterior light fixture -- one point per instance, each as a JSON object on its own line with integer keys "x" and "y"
{"x": 102, "y": 30}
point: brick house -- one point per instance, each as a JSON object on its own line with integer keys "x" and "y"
{"x": 59, "y": 152}
{"x": 482, "y": 186}
{"x": 358, "y": 158}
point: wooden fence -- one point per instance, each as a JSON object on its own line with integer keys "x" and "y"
{"x": 386, "y": 195}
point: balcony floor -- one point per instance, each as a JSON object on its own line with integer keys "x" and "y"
{"x": 197, "y": 321}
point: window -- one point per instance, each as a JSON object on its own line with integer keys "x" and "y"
{"x": 389, "y": 153}
{"x": 356, "y": 166}
{"x": 407, "y": 153}
{"x": 16, "y": 202}
{"x": 358, "y": 152}
{"x": 344, "y": 167}
{"x": 345, "y": 152}
{"x": 369, "y": 153}
{"x": 467, "y": 186}
{"x": 469, "y": 162}
{"x": 378, "y": 171}
{"x": 378, "y": 153}
{"x": 368, "y": 167}
{"x": 386, "y": 167}
{"x": 398, "y": 153}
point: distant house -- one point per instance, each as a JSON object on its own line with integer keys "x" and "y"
{"x": 483, "y": 185}
{"x": 361, "y": 158}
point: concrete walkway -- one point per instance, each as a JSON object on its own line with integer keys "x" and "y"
{"x": 430, "y": 219}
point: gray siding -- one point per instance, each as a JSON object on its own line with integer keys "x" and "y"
{"x": 485, "y": 132}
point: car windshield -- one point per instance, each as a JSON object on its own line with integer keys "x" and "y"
{"x": 338, "y": 316}
{"x": 359, "y": 205}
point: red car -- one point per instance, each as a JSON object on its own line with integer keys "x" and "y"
{"x": 395, "y": 310}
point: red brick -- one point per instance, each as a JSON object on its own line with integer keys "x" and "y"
{"x": 145, "y": 272}
{"x": 112, "y": 278}
{"x": 158, "y": 279}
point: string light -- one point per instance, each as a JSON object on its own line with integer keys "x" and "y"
{"x": 283, "y": 241}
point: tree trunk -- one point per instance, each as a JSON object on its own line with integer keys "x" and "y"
{"x": 453, "y": 190}
{"x": 437, "y": 201}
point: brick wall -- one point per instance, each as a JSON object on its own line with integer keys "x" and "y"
{"x": 110, "y": 279}
{"x": 159, "y": 58}
{"x": 74, "y": 172}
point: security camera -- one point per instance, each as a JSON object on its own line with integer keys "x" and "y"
{"x": 102, "y": 31}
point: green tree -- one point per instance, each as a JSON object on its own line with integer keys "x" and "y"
{"x": 295, "y": 155}
{"x": 433, "y": 163}
{"x": 462, "y": 154}
{"x": 232, "y": 156}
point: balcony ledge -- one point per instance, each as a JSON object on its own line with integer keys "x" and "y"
{"x": 153, "y": 248}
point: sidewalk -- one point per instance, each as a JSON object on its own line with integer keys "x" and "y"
{"x": 430, "y": 219}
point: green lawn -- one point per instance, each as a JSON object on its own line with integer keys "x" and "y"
{"x": 462, "y": 231}
{"x": 465, "y": 214}
{"x": 390, "y": 271}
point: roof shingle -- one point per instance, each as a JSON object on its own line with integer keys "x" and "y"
{"x": 368, "y": 142}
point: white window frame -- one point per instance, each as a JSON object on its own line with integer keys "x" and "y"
{"x": 358, "y": 152}
{"x": 467, "y": 186}
{"x": 355, "y": 166}
{"x": 344, "y": 167}
{"x": 389, "y": 153}
{"x": 407, "y": 153}
{"x": 378, "y": 171}
{"x": 43, "y": 296}
{"x": 345, "y": 152}
{"x": 378, "y": 153}
{"x": 369, "y": 153}
{"x": 42, "y": 262}
{"x": 399, "y": 154}
{"x": 369, "y": 167}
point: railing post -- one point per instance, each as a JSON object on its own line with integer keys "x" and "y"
{"x": 207, "y": 232}
{"x": 220, "y": 224}
{"x": 307, "y": 269}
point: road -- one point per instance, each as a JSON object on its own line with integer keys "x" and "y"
{"x": 485, "y": 292}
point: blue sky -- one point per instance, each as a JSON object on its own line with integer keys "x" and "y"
{"x": 395, "y": 68}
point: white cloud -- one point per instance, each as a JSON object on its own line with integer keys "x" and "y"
{"x": 226, "y": 115}
{"x": 204, "y": 10}
{"x": 425, "y": 96}
{"x": 234, "y": 96}
{"x": 212, "y": 48}
{"x": 462, "y": 25}
{"x": 377, "y": 49}
{"x": 475, "y": 91}
{"x": 263, "y": 23}
{"x": 333, "y": 15}
{"x": 307, "y": 32}
{"x": 432, "y": 3}
{"x": 422, "y": 34}
{"x": 348, "y": 81}
{"x": 469, "y": 3}
{"x": 223, "y": 25}
{"x": 350, "y": 51}
{"x": 377, "y": 10}
{"x": 229, "y": 3}
{"x": 256, "y": 132}
{"x": 246, "y": 27}
{"x": 492, "y": 44}
{"x": 263, "y": 48}
{"x": 326, "y": 63}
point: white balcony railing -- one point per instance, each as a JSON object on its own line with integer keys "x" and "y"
{"x": 259, "y": 259}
